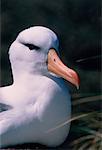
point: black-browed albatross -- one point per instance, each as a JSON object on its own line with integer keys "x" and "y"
{"x": 38, "y": 98}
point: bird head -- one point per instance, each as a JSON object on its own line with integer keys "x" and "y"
{"x": 35, "y": 51}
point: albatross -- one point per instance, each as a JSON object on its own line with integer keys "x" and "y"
{"x": 38, "y": 100}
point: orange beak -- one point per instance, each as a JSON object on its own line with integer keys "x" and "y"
{"x": 56, "y": 66}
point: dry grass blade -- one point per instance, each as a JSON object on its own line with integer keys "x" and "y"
{"x": 84, "y": 146}
{"x": 89, "y": 142}
{"x": 81, "y": 139}
{"x": 96, "y": 143}
{"x": 88, "y": 58}
{"x": 68, "y": 121}
{"x": 100, "y": 147}
{"x": 91, "y": 131}
{"x": 87, "y": 99}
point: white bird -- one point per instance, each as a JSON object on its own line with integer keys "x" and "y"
{"x": 38, "y": 98}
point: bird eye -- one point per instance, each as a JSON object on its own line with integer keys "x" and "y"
{"x": 32, "y": 46}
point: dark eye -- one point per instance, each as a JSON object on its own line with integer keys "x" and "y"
{"x": 32, "y": 47}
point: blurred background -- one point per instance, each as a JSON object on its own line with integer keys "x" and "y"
{"x": 77, "y": 24}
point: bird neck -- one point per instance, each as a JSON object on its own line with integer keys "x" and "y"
{"x": 23, "y": 78}
{"x": 23, "y": 72}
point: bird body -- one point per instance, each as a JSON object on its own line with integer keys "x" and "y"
{"x": 40, "y": 110}
{"x": 38, "y": 97}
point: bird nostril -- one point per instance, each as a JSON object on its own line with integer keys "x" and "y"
{"x": 54, "y": 60}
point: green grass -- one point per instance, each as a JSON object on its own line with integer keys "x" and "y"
{"x": 87, "y": 125}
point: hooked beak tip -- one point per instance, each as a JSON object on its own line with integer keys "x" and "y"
{"x": 77, "y": 86}
{"x": 77, "y": 81}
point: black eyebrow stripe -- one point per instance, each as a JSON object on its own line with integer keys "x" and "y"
{"x": 32, "y": 46}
